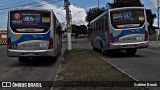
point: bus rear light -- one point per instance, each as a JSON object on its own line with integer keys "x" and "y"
{"x": 111, "y": 38}
{"x": 50, "y": 43}
{"x": 146, "y": 36}
{"x": 9, "y": 43}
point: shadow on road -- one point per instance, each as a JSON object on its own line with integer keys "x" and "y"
{"x": 118, "y": 54}
{"x": 36, "y": 62}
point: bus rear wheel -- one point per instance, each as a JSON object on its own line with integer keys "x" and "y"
{"x": 131, "y": 51}
{"x": 93, "y": 47}
{"x": 53, "y": 59}
{"x": 102, "y": 48}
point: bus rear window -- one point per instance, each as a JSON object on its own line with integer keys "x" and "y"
{"x": 30, "y": 21}
{"x": 127, "y": 18}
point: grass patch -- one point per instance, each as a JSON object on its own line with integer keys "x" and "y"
{"x": 83, "y": 65}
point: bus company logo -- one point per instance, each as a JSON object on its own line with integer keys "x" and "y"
{"x": 37, "y": 19}
{"x": 6, "y": 84}
{"x": 17, "y": 16}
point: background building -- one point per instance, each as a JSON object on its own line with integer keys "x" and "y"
{"x": 3, "y": 36}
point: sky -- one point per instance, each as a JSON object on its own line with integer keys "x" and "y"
{"x": 78, "y": 8}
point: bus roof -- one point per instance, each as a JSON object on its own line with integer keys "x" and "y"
{"x": 126, "y": 8}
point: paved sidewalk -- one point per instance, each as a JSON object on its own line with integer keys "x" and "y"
{"x": 154, "y": 43}
{"x": 83, "y": 43}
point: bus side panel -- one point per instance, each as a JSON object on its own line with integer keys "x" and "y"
{"x": 101, "y": 39}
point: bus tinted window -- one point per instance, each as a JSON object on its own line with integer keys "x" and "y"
{"x": 127, "y": 18}
{"x": 30, "y": 21}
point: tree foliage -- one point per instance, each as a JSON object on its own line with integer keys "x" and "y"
{"x": 125, "y": 3}
{"x": 93, "y": 13}
{"x": 150, "y": 19}
{"x": 82, "y": 29}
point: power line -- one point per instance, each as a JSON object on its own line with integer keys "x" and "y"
{"x": 31, "y": 5}
{"x": 13, "y": 4}
{"x": 22, "y": 2}
{"x": 4, "y": 13}
{"x": 49, "y": 3}
{"x": 26, "y": 4}
{"x": 150, "y": 3}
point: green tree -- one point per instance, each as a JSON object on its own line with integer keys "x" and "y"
{"x": 125, "y": 3}
{"x": 82, "y": 29}
{"x": 150, "y": 19}
{"x": 93, "y": 13}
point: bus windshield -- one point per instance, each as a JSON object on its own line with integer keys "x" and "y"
{"x": 127, "y": 18}
{"x": 30, "y": 21}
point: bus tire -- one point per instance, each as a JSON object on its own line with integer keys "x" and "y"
{"x": 23, "y": 59}
{"x": 93, "y": 47}
{"x": 131, "y": 51}
{"x": 102, "y": 48}
{"x": 53, "y": 59}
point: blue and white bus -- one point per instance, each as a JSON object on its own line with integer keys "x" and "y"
{"x": 120, "y": 29}
{"x": 33, "y": 33}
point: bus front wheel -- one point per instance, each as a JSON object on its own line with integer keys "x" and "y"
{"x": 131, "y": 51}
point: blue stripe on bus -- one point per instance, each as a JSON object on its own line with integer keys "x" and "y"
{"x": 28, "y": 37}
{"x": 128, "y": 32}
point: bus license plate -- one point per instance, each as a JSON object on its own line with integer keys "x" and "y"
{"x": 30, "y": 54}
{"x": 31, "y": 45}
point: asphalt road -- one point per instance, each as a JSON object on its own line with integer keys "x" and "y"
{"x": 36, "y": 70}
{"x": 144, "y": 66}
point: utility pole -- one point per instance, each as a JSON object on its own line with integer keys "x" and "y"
{"x": 158, "y": 18}
{"x": 68, "y": 26}
{"x": 98, "y": 4}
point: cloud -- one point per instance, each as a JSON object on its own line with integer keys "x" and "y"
{"x": 154, "y": 4}
{"x": 78, "y": 14}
